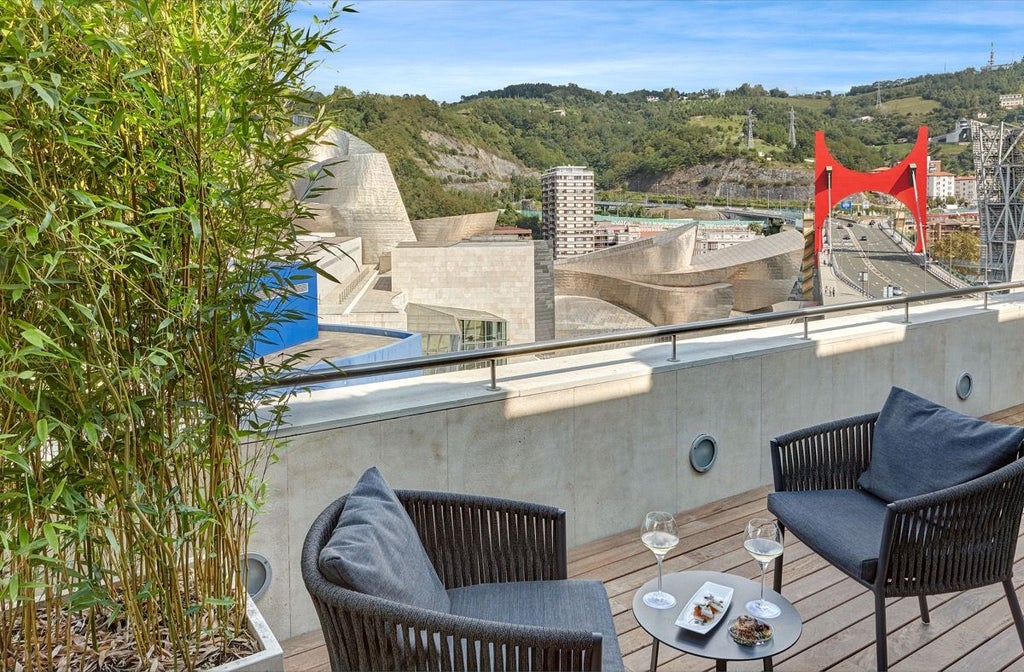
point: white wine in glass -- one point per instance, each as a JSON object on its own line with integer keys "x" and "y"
{"x": 659, "y": 534}
{"x": 764, "y": 543}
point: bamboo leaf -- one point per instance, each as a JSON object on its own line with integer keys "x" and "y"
{"x": 51, "y": 537}
{"x": 83, "y": 198}
{"x": 56, "y": 494}
{"x": 8, "y": 167}
{"x": 115, "y": 546}
{"x": 17, "y": 459}
{"x": 21, "y": 269}
{"x": 46, "y": 95}
{"x": 120, "y": 226}
{"x": 91, "y": 435}
{"x": 138, "y": 72}
{"x": 36, "y": 337}
{"x": 22, "y": 401}
{"x": 42, "y": 430}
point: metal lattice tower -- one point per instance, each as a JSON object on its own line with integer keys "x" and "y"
{"x": 999, "y": 166}
{"x": 792, "y": 127}
{"x": 750, "y": 129}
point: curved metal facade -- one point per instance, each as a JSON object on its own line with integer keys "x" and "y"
{"x": 661, "y": 281}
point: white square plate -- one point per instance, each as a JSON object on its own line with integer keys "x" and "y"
{"x": 709, "y": 591}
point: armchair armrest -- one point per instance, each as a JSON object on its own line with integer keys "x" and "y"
{"x": 475, "y": 539}
{"x": 829, "y": 456}
{"x": 965, "y": 534}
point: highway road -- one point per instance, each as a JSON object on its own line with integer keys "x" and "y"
{"x": 860, "y": 248}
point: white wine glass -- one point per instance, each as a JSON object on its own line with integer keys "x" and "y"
{"x": 659, "y": 534}
{"x": 764, "y": 543}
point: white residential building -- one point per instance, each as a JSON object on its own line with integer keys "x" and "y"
{"x": 567, "y": 209}
{"x": 941, "y": 185}
{"x": 1011, "y": 101}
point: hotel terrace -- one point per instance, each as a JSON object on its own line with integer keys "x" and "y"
{"x": 607, "y": 434}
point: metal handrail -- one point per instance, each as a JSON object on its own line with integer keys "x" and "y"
{"x": 492, "y": 355}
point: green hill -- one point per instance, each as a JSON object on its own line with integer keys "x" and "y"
{"x": 489, "y": 148}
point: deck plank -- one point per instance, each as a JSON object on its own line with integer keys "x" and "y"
{"x": 972, "y": 630}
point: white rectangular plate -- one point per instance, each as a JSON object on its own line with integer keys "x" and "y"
{"x": 686, "y": 618}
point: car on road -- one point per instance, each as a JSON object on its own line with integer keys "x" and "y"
{"x": 863, "y": 237}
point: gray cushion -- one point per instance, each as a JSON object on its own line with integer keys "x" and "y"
{"x": 920, "y": 447}
{"x": 842, "y": 526}
{"x": 570, "y": 604}
{"x": 376, "y": 550}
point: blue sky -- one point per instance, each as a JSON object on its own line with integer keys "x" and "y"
{"x": 446, "y": 49}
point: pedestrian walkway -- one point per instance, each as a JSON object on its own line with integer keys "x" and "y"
{"x": 834, "y": 290}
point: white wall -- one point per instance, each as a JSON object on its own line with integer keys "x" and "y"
{"x": 606, "y": 435}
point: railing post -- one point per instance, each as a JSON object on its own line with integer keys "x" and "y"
{"x": 807, "y": 335}
{"x": 493, "y": 387}
{"x": 906, "y": 313}
{"x": 986, "y": 299}
{"x": 673, "y": 357}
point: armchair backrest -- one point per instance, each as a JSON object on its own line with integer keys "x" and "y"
{"x": 474, "y": 539}
{"x": 829, "y": 456}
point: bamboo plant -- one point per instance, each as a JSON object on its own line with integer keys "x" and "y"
{"x": 146, "y": 158}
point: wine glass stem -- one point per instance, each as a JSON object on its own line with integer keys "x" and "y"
{"x": 763, "y": 566}
{"x": 659, "y": 571}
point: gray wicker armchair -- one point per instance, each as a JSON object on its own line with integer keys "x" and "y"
{"x": 953, "y": 539}
{"x": 503, "y": 563}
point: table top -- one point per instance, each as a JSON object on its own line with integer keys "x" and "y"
{"x": 716, "y": 644}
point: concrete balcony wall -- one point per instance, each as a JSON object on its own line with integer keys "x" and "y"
{"x": 606, "y": 435}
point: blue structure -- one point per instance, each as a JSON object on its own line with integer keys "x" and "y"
{"x": 294, "y": 306}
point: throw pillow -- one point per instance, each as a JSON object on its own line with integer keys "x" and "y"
{"x": 376, "y": 550}
{"x": 920, "y": 446}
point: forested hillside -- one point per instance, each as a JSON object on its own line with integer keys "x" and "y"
{"x": 489, "y": 148}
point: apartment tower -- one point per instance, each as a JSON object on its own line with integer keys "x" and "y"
{"x": 567, "y": 209}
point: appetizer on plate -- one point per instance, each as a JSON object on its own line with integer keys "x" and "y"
{"x": 707, "y": 609}
{"x": 748, "y": 631}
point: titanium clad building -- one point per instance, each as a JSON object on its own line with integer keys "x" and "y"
{"x": 567, "y": 209}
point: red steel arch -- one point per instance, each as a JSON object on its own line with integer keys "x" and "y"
{"x": 833, "y": 182}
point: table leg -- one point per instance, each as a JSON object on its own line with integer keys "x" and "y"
{"x": 654, "y": 653}
{"x": 719, "y": 665}
{"x": 768, "y": 664}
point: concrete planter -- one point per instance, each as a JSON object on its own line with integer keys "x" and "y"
{"x": 269, "y": 658}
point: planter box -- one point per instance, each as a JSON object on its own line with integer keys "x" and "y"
{"x": 269, "y": 658}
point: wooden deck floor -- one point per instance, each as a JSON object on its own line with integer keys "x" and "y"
{"x": 968, "y": 631}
